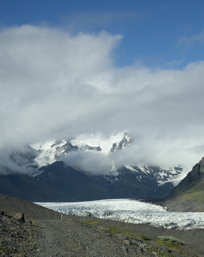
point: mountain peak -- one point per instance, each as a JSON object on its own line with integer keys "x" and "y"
{"x": 122, "y": 143}
{"x": 109, "y": 144}
{"x": 54, "y": 150}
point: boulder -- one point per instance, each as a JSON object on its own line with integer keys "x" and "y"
{"x": 19, "y": 216}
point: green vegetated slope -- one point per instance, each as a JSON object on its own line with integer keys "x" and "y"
{"x": 189, "y": 194}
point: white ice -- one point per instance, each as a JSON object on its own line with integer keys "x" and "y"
{"x": 130, "y": 211}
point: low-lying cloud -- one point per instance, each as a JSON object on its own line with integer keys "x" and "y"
{"x": 156, "y": 152}
{"x": 90, "y": 162}
{"x": 54, "y": 84}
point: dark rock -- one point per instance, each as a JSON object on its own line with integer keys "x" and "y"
{"x": 19, "y": 216}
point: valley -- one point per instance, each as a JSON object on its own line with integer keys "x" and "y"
{"x": 131, "y": 211}
{"x": 131, "y": 220}
{"x": 122, "y": 227}
{"x": 52, "y": 234}
{"x": 101, "y": 128}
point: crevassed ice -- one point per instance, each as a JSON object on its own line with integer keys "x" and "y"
{"x": 131, "y": 211}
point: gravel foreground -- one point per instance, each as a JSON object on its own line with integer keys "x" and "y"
{"x": 74, "y": 236}
{"x": 46, "y": 233}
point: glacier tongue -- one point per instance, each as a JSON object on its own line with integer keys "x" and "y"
{"x": 131, "y": 211}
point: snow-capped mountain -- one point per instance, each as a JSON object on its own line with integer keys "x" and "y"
{"x": 87, "y": 168}
{"x": 44, "y": 154}
{"x": 52, "y": 151}
{"x": 162, "y": 175}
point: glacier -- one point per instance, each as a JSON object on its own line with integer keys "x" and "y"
{"x": 130, "y": 211}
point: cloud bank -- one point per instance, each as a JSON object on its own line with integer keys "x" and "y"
{"x": 55, "y": 84}
{"x": 91, "y": 162}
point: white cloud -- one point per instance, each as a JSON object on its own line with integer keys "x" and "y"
{"x": 54, "y": 84}
{"x": 91, "y": 162}
{"x": 191, "y": 40}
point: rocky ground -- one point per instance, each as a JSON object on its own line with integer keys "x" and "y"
{"x": 17, "y": 238}
{"x": 71, "y": 236}
{"x": 76, "y": 237}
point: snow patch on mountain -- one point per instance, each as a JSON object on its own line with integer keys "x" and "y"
{"x": 106, "y": 143}
{"x": 46, "y": 153}
{"x": 161, "y": 174}
{"x": 96, "y": 154}
{"x": 131, "y": 168}
{"x": 52, "y": 151}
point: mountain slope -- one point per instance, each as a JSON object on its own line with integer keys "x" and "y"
{"x": 83, "y": 169}
{"x": 12, "y": 205}
{"x": 189, "y": 194}
{"x": 77, "y": 186}
{"x": 29, "y": 188}
{"x": 59, "y": 182}
{"x": 50, "y": 235}
{"x": 80, "y": 186}
{"x": 139, "y": 185}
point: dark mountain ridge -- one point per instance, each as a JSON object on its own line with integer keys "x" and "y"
{"x": 189, "y": 194}
{"x": 59, "y": 182}
{"x": 49, "y": 178}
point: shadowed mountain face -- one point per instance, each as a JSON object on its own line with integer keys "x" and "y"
{"x": 189, "y": 194}
{"x": 50, "y": 174}
{"x": 80, "y": 186}
{"x": 58, "y": 182}
{"x": 29, "y": 188}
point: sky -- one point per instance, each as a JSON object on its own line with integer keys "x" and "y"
{"x": 155, "y": 32}
{"x": 70, "y": 68}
